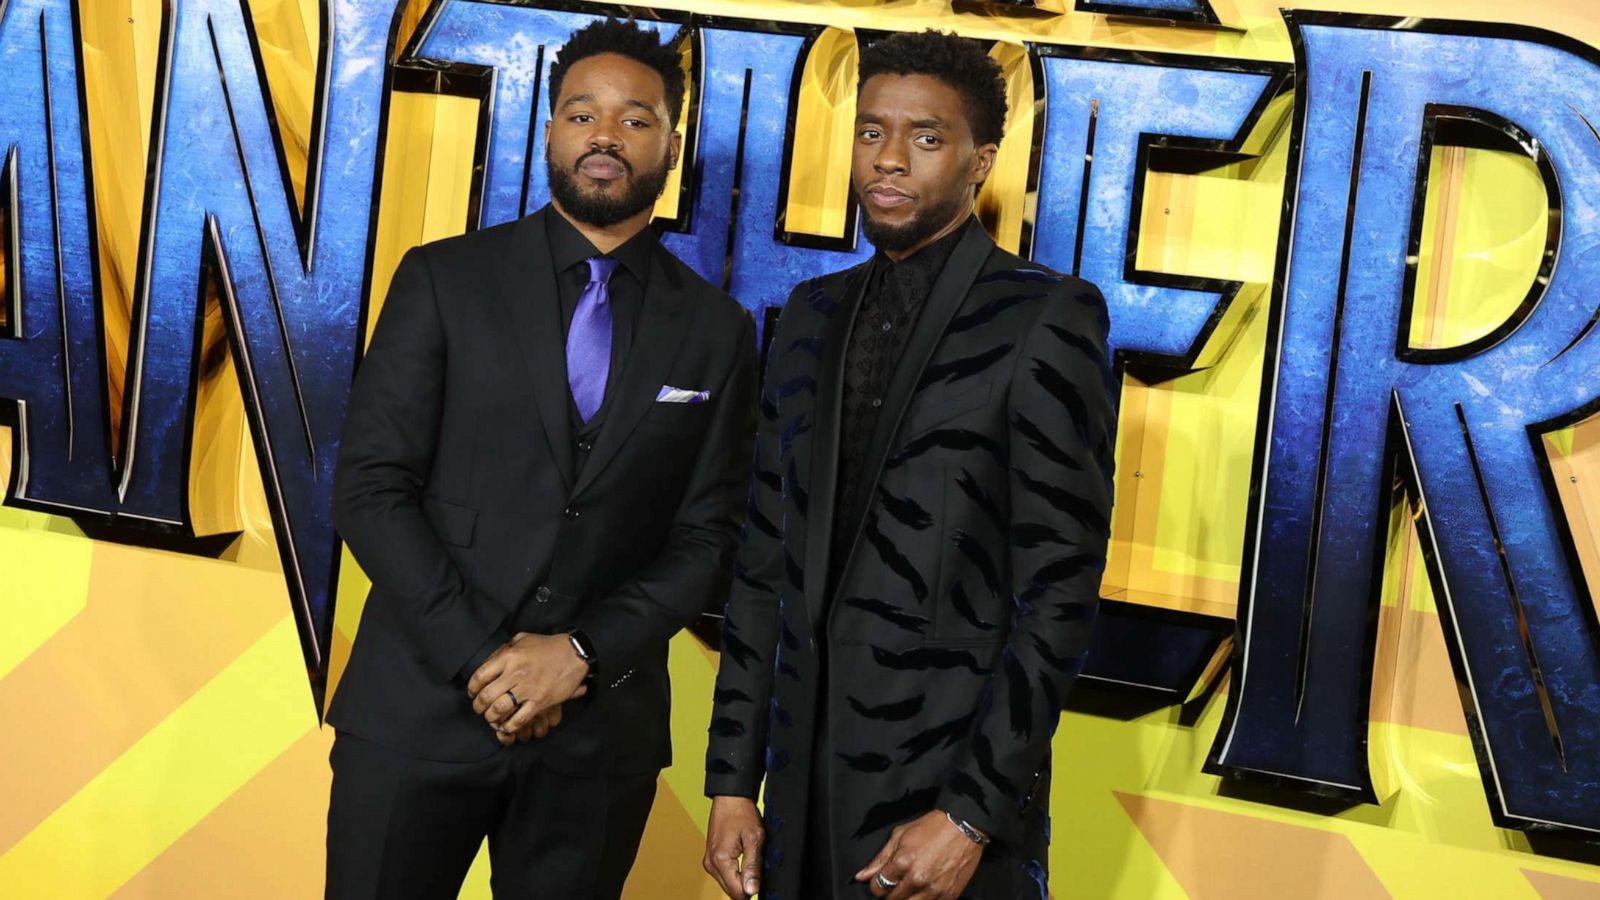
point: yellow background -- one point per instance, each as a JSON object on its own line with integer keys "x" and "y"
{"x": 159, "y": 740}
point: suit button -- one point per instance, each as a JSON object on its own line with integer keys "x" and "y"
{"x": 585, "y": 446}
{"x": 543, "y": 593}
{"x": 570, "y": 512}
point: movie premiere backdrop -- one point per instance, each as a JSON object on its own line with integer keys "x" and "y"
{"x": 1349, "y": 645}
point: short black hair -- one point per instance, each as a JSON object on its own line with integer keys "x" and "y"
{"x": 962, "y": 63}
{"x": 624, "y": 38}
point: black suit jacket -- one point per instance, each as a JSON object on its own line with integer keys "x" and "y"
{"x": 458, "y": 491}
{"x": 963, "y": 611}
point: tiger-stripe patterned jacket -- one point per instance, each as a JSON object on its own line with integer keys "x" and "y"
{"x": 963, "y": 611}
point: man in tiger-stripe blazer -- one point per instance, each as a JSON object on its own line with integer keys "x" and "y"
{"x": 927, "y": 530}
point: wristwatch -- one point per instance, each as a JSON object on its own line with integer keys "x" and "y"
{"x": 972, "y": 834}
{"x": 584, "y": 647}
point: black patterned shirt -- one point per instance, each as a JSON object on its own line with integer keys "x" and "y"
{"x": 892, "y": 303}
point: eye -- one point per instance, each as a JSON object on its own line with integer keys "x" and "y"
{"x": 581, "y": 119}
{"x": 869, "y": 134}
{"x": 928, "y": 140}
{"x": 636, "y": 123}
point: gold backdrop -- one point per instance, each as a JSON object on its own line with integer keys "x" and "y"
{"x": 127, "y": 769}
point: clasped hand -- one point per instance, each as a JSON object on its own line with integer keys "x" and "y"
{"x": 519, "y": 689}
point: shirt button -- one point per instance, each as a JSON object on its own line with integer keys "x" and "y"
{"x": 887, "y": 326}
{"x": 876, "y": 402}
{"x": 585, "y": 446}
{"x": 570, "y": 513}
{"x": 543, "y": 594}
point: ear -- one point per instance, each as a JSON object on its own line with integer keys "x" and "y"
{"x": 982, "y": 163}
{"x": 547, "y": 124}
{"x": 674, "y": 150}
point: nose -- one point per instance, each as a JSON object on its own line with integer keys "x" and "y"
{"x": 891, "y": 159}
{"x": 603, "y": 137}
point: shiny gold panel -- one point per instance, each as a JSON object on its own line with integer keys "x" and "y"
{"x": 1008, "y": 202}
{"x": 825, "y": 115}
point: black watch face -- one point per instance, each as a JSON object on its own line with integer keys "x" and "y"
{"x": 581, "y": 642}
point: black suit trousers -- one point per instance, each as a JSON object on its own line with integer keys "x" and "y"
{"x": 405, "y": 828}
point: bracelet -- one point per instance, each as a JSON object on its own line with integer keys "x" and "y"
{"x": 972, "y": 834}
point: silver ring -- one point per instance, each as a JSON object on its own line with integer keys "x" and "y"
{"x": 514, "y": 701}
{"x": 883, "y": 882}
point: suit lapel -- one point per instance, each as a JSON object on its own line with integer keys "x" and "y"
{"x": 663, "y": 323}
{"x": 950, "y": 290}
{"x": 825, "y": 443}
{"x": 527, "y": 281}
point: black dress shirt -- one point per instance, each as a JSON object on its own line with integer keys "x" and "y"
{"x": 892, "y": 303}
{"x": 569, "y": 252}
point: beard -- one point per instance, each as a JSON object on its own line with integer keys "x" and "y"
{"x": 924, "y": 224}
{"x": 603, "y": 211}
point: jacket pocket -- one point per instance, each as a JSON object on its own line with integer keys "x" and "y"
{"x": 965, "y": 612}
{"x": 452, "y": 522}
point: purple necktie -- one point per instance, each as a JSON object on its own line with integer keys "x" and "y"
{"x": 589, "y": 339}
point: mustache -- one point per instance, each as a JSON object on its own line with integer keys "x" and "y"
{"x": 601, "y": 151}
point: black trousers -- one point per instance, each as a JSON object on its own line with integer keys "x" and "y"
{"x": 406, "y": 828}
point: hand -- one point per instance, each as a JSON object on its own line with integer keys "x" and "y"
{"x": 538, "y": 728}
{"x": 734, "y": 831}
{"x": 927, "y": 859}
{"x": 541, "y": 670}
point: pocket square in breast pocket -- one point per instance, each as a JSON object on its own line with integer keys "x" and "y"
{"x": 670, "y": 394}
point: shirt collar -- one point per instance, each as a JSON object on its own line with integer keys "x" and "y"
{"x": 568, "y": 247}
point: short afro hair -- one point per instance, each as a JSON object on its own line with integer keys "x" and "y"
{"x": 624, "y": 38}
{"x": 959, "y": 62}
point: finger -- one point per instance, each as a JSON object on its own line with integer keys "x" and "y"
{"x": 522, "y": 717}
{"x": 486, "y": 695}
{"x": 552, "y": 716}
{"x": 722, "y": 861}
{"x": 540, "y": 726}
{"x": 907, "y": 884}
{"x": 882, "y": 858}
{"x": 500, "y": 710}
{"x": 708, "y": 862}
{"x": 505, "y": 740}
{"x": 489, "y": 671}
{"x": 901, "y": 871}
{"x": 493, "y": 691}
{"x": 752, "y": 862}
{"x": 582, "y": 689}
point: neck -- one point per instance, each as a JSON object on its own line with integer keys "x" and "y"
{"x": 610, "y": 237}
{"x": 952, "y": 225}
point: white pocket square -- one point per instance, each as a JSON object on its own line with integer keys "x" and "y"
{"x": 670, "y": 394}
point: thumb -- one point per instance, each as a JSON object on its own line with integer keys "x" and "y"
{"x": 752, "y": 863}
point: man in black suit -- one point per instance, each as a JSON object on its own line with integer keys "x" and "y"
{"x": 927, "y": 529}
{"x": 543, "y": 472}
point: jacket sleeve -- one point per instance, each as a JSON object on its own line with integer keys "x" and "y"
{"x": 736, "y": 752}
{"x": 385, "y": 456}
{"x": 1062, "y": 442}
{"x": 690, "y": 574}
